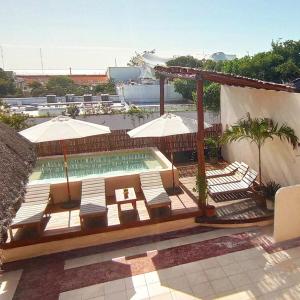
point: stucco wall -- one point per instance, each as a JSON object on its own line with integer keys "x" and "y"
{"x": 279, "y": 161}
{"x": 286, "y": 217}
{"x": 142, "y": 93}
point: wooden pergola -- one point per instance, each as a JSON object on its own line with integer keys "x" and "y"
{"x": 200, "y": 76}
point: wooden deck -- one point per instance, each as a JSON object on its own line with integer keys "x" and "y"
{"x": 233, "y": 207}
{"x": 64, "y": 223}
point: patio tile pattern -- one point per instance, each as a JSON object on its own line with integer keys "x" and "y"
{"x": 243, "y": 265}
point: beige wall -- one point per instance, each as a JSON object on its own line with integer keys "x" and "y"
{"x": 279, "y": 160}
{"x": 39, "y": 249}
{"x": 286, "y": 217}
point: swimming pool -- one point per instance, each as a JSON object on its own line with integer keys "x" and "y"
{"x": 107, "y": 164}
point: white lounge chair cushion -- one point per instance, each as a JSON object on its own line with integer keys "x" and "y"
{"x": 228, "y": 187}
{"x": 37, "y": 193}
{"x": 242, "y": 185}
{"x": 240, "y": 173}
{"x": 93, "y": 200}
{"x": 152, "y": 186}
{"x": 29, "y": 214}
{"x": 223, "y": 172}
{"x": 156, "y": 197}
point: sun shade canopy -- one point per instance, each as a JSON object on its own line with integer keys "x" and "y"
{"x": 62, "y": 128}
{"x": 166, "y": 125}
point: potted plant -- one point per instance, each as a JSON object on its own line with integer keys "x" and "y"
{"x": 258, "y": 131}
{"x": 213, "y": 149}
{"x": 269, "y": 191}
{"x": 126, "y": 192}
{"x": 201, "y": 189}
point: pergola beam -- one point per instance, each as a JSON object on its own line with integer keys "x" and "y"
{"x": 222, "y": 78}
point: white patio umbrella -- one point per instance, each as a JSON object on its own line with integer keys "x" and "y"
{"x": 63, "y": 128}
{"x": 166, "y": 125}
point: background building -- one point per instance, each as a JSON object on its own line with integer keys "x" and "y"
{"x": 81, "y": 77}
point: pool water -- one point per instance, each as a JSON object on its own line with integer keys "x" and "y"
{"x": 88, "y": 166}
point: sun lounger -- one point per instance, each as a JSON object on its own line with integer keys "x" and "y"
{"x": 243, "y": 185}
{"x": 238, "y": 175}
{"x": 93, "y": 200}
{"x": 32, "y": 211}
{"x": 229, "y": 170}
{"x": 154, "y": 192}
{"x": 37, "y": 193}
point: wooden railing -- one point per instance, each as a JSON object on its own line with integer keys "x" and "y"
{"x": 118, "y": 139}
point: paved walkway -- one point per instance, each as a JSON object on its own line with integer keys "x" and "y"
{"x": 195, "y": 264}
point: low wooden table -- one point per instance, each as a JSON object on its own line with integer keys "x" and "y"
{"x": 120, "y": 198}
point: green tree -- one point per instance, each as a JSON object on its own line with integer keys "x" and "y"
{"x": 280, "y": 64}
{"x": 82, "y": 89}
{"x": 73, "y": 111}
{"x": 106, "y": 88}
{"x": 4, "y": 107}
{"x": 211, "y": 96}
{"x": 7, "y": 83}
{"x": 186, "y": 61}
{"x": 37, "y": 89}
{"x": 258, "y": 130}
{"x": 61, "y": 85}
{"x": 192, "y": 62}
{"x": 16, "y": 121}
{"x": 185, "y": 87}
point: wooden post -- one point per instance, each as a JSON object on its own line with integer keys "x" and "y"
{"x": 200, "y": 135}
{"x": 162, "y": 95}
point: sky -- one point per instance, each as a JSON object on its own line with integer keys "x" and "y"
{"x": 95, "y": 34}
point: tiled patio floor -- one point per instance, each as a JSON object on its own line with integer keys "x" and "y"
{"x": 225, "y": 263}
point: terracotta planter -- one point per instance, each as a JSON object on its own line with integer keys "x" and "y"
{"x": 213, "y": 160}
{"x": 210, "y": 211}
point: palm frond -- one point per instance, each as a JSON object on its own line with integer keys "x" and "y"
{"x": 284, "y": 132}
{"x": 258, "y": 130}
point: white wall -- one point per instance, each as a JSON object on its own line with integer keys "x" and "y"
{"x": 279, "y": 160}
{"x": 286, "y": 217}
{"x": 122, "y": 74}
{"x": 141, "y": 93}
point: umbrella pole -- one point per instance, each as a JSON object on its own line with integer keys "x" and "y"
{"x": 66, "y": 168}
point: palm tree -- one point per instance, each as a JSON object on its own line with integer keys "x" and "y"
{"x": 258, "y": 130}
